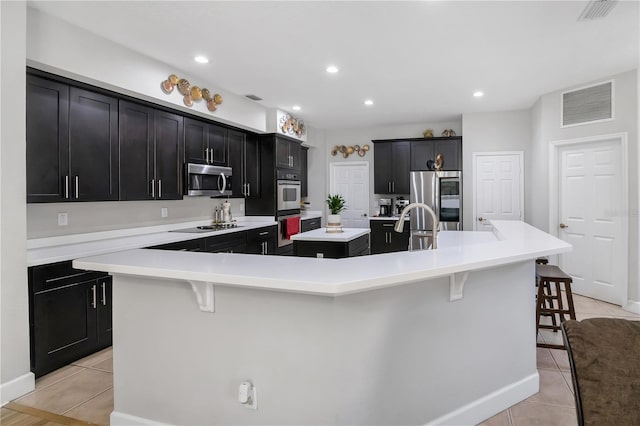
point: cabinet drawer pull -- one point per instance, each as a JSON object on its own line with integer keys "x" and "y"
{"x": 94, "y": 302}
{"x": 264, "y": 233}
{"x": 388, "y": 225}
{"x": 104, "y": 295}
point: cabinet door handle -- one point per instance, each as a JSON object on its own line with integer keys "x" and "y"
{"x": 248, "y": 189}
{"x": 393, "y": 186}
{"x": 77, "y": 178}
{"x": 159, "y": 188}
{"x": 66, "y": 186}
{"x": 211, "y": 155}
{"x": 104, "y": 294}
{"x": 153, "y": 188}
{"x": 94, "y": 302}
{"x": 206, "y": 155}
{"x": 389, "y": 186}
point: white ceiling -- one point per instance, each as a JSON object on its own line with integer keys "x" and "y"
{"x": 418, "y": 61}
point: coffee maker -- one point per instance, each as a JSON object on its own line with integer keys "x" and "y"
{"x": 401, "y": 203}
{"x": 385, "y": 207}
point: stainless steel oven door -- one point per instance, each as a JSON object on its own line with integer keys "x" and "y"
{"x": 288, "y": 193}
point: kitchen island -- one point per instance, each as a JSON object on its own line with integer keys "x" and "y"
{"x": 444, "y": 336}
{"x": 348, "y": 242}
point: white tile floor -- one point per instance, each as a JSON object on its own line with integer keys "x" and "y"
{"x": 84, "y": 389}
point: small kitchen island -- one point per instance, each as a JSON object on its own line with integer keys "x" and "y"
{"x": 349, "y": 242}
{"x": 440, "y": 337}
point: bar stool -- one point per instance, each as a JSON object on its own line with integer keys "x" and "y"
{"x": 550, "y": 301}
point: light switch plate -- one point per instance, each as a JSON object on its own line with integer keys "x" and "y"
{"x": 63, "y": 219}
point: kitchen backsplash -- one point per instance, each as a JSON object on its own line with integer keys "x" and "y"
{"x": 42, "y": 218}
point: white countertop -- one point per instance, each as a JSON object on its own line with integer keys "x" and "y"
{"x": 310, "y": 214}
{"x": 395, "y": 217}
{"x": 321, "y": 234}
{"x": 57, "y": 249}
{"x": 459, "y": 251}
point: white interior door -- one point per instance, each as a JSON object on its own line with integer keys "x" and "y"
{"x": 351, "y": 180}
{"x": 590, "y": 218}
{"x": 498, "y": 188}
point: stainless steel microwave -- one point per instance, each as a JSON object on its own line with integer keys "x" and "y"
{"x": 207, "y": 180}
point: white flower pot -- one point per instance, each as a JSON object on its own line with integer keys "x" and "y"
{"x": 333, "y": 219}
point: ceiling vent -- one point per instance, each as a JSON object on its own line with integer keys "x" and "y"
{"x": 587, "y": 105}
{"x": 597, "y": 9}
{"x": 253, "y": 97}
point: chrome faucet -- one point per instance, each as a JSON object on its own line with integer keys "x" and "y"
{"x": 436, "y": 224}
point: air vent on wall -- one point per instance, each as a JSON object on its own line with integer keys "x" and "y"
{"x": 587, "y": 104}
{"x": 597, "y": 9}
{"x": 253, "y": 97}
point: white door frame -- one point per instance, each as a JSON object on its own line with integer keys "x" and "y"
{"x": 554, "y": 186}
{"x": 365, "y": 164}
{"x": 474, "y": 160}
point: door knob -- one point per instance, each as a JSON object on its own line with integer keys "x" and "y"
{"x": 562, "y": 226}
{"x": 480, "y": 219}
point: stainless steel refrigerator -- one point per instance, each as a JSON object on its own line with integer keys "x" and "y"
{"x": 442, "y": 191}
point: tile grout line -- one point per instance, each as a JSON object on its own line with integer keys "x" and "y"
{"x": 51, "y": 384}
{"x": 93, "y": 397}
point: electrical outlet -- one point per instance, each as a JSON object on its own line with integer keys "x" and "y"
{"x": 164, "y": 212}
{"x": 63, "y": 219}
{"x": 248, "y": 395}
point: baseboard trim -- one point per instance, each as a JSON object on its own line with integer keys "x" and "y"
{"x": 632, "y": 306}
{"x": 121, "y": 419}
{"x": 17, "y": 387}
{"x": 490, "y": 405}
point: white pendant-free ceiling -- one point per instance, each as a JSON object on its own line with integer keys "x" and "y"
{"x": 420, "y": 61}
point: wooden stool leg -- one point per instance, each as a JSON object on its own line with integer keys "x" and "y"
{"x": 567, "y": 289}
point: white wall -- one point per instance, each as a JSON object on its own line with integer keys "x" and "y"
{"x": 42, "y": 218}
{"x": 15, "y": 377}
{"x": 491, "y": 132}
{"x": 362, "y": 136}
{"x": 546, "y": 128}
{"x": 56, "y": 46}
{"x": 316, "y": 169}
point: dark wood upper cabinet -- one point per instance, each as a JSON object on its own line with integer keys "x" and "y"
{"x": 151, "y": 145}
{"x": 136, "y": 151}
{"x": 93, "y": 145}
{"x": 391, "y": 167}
{"x": 244, "y": 161}
{"x": 72, "y": 143}
{"x": 287, "y": 153}
{"x": 169, "y": 137}
{"x": 425, "y": 151}
{"x": 47, "y": 140}
{"x": 205, "y": 142}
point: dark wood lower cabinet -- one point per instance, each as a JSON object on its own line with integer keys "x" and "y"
{"x": 70, "y": 315}
{"x": 262, "y": 240}
{"x": 385, "y": 240}
{"x": 310, "y": 224}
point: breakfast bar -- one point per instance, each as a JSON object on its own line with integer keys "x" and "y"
{"x": 442, "y": 336}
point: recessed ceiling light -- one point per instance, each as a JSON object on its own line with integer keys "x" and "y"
{"x": 201, "y": 60}
{"x": 332, "y": 69}
{"x": 296, "y": 108}
{"x": 478, "y": 94}
{"x": 368, "y": 102}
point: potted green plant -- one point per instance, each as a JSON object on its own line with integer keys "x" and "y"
{"x": 336, "y": 205}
